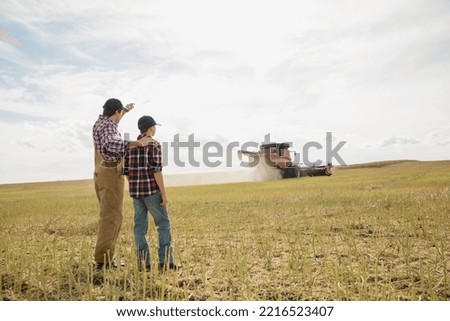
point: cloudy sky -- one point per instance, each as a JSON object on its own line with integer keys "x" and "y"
{"x": 375, "y": 74}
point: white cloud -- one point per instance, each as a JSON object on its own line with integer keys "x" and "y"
{"x": 399, "y": 140}
{"x": 440, "y": 137}
{"x": 42, "y": 151}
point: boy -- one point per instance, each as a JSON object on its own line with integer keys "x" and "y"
{"x": 143, "y": 166}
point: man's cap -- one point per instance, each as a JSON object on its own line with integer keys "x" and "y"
{"x": 114, "y": 104}
{"x": 145, "y": 122}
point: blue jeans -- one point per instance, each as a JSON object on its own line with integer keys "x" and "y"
{"x": 153, "y": 205}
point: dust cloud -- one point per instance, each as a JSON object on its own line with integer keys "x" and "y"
{"x": 257, "y": 174}
{"x": 262, "y": 172}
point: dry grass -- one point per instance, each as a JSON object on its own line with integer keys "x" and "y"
{"x": 365, "y": 233}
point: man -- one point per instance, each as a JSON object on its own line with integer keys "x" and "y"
{"x": 143, "y": 166}
{"x": 109, "y": 182}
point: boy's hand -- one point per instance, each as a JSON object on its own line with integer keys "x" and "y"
{"x": 164, "y": 200}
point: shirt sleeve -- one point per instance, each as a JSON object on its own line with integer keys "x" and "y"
{"x": 155, "y": 157}
{"x": 113, "y": 143}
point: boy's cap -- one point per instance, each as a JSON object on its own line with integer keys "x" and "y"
{"x": 114, "y": 104}
{"x": 145, "y": 122}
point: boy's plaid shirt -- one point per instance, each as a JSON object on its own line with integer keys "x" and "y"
{"x": 140, "y": 164}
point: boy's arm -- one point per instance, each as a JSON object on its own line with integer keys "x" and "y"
{"x": 160, "y": 181}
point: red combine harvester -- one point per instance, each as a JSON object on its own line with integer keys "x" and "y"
{"x": 278, "y": 156}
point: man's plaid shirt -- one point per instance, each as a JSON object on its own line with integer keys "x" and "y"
{"x": 140, "y": 164}
{"x": 107, "y": 139}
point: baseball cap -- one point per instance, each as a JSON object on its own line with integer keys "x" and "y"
{"x": 145, "y": 122}
{"x": 113, "y": 104}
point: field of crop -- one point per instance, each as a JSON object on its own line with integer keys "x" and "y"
{"x": 378, "y": 231}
